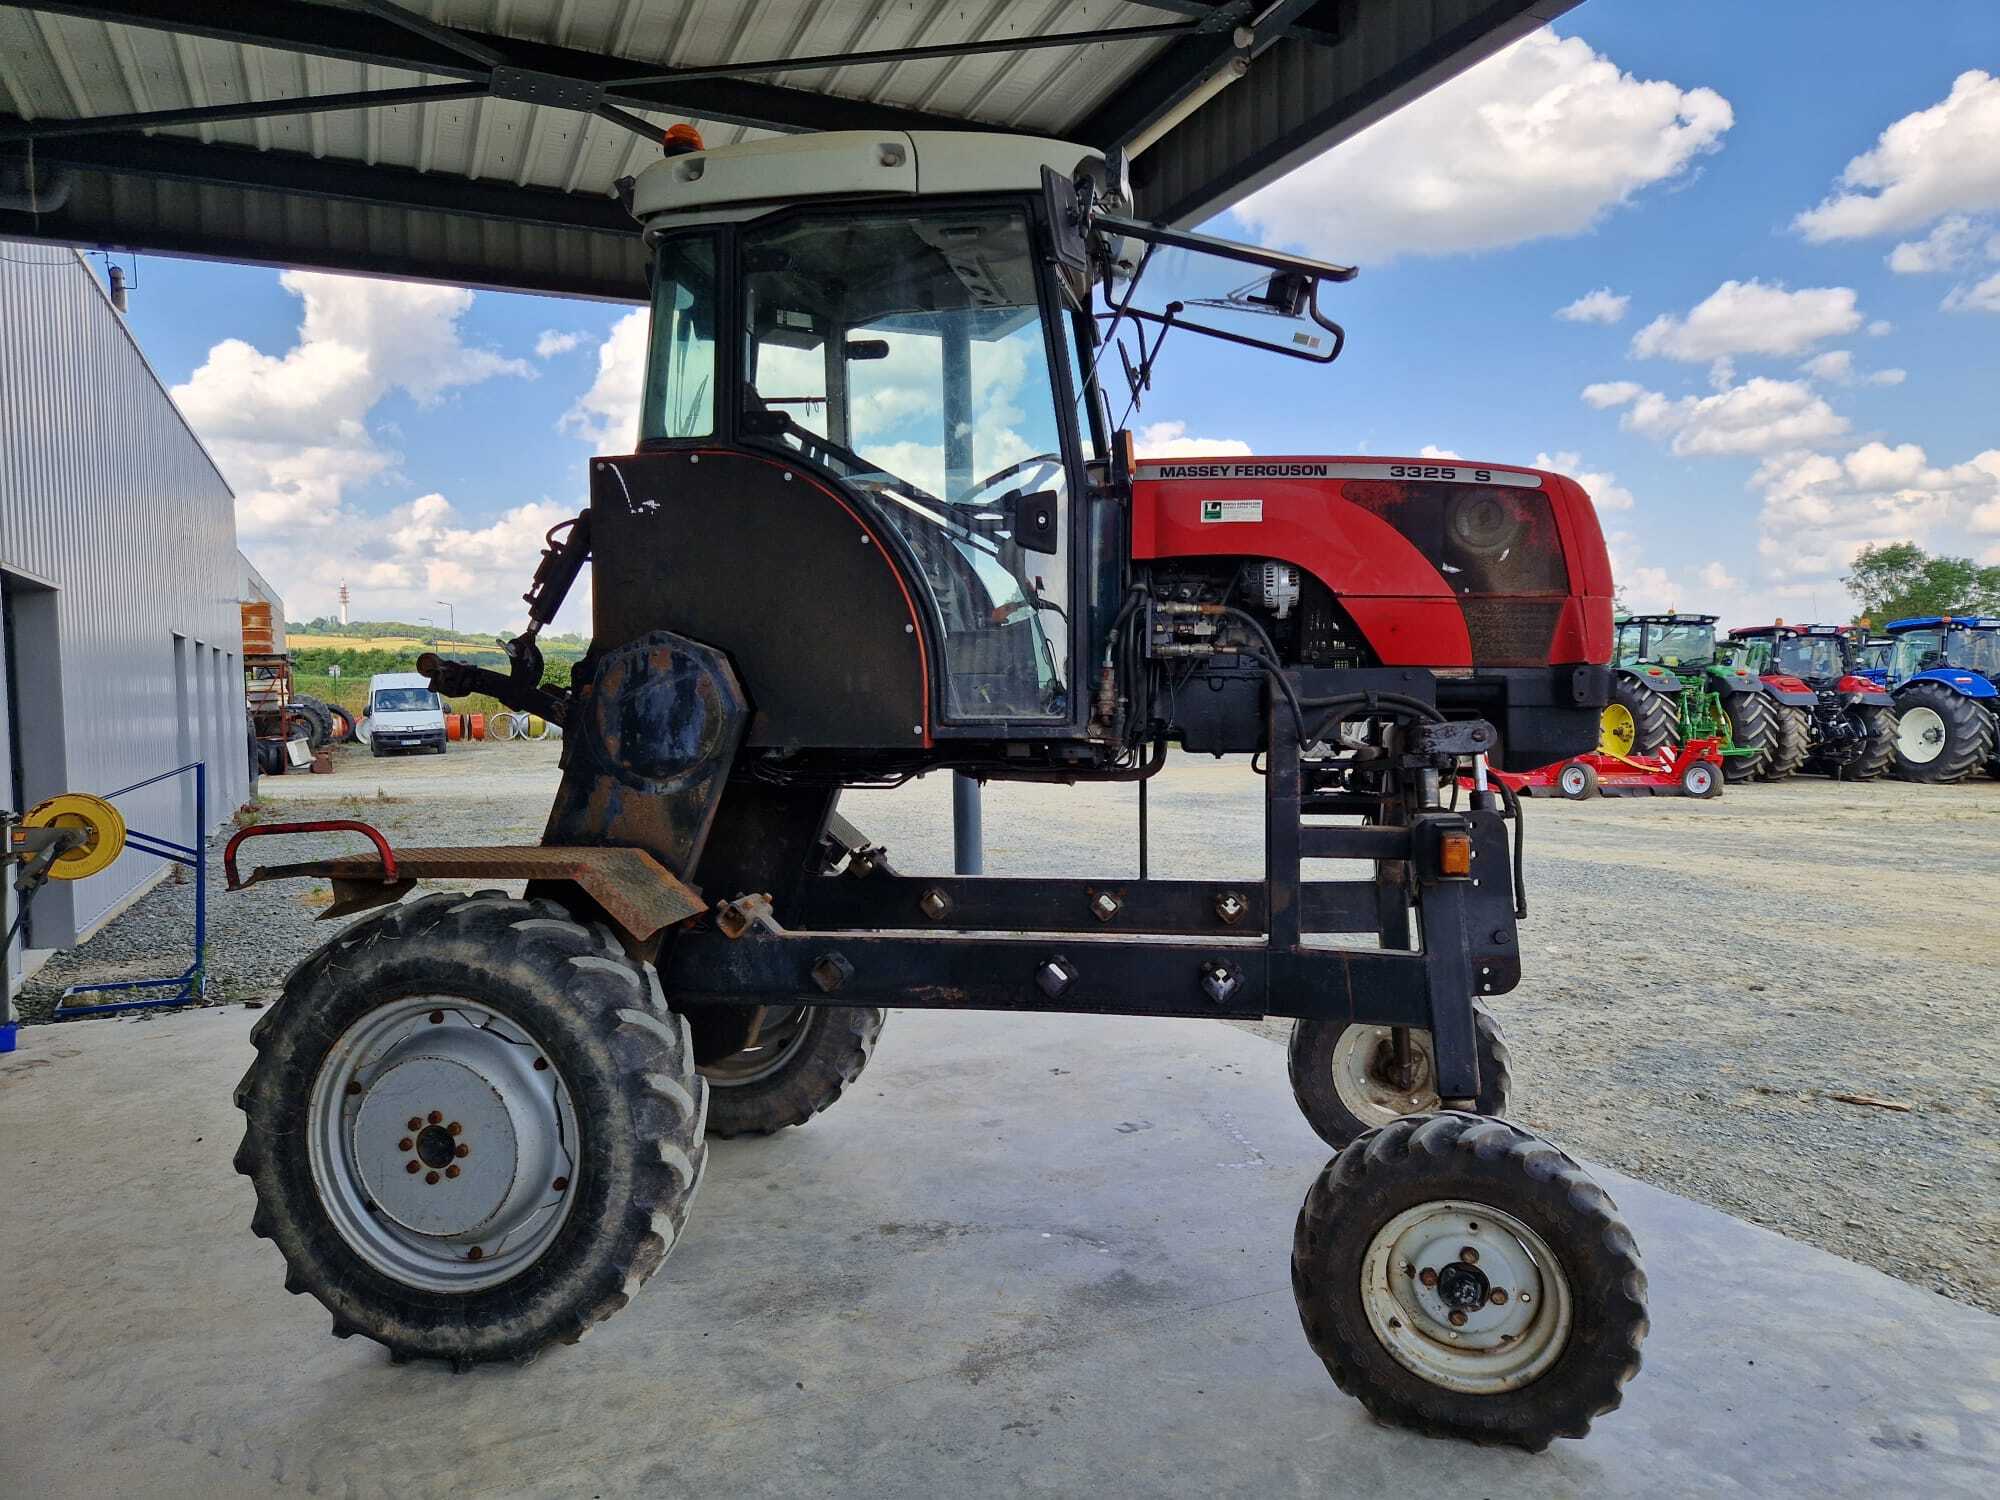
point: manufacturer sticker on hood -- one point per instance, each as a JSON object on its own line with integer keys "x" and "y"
{"x": 1232, "y": 510}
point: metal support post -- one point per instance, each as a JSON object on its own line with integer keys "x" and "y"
{"x": 968, "y": 835}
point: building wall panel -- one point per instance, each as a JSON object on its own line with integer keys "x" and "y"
{"x": 108, "y": 498}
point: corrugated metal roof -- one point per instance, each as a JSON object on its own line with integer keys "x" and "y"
{"x": 500, "y": 190}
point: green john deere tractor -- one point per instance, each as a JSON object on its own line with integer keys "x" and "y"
{"x": 1670, "y": 684}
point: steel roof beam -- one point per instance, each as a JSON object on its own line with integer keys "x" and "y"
{"x": 316, "y": 177}
{"x": 251, "y": 109}
{"x": 1227, "y": 40}
{"x": 1318, "y": 20}
{"x": 356, "y": 36}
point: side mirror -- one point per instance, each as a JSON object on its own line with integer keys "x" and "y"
{"x": 1065, "y": 216}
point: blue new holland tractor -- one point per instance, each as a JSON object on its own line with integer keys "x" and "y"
{"x": 1945, "y": 673}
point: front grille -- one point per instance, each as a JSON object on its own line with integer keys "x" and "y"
{"x": 1511, "y": 632}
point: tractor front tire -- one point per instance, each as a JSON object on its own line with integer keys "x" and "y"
{"x": 1465, "y": 1278}
{"x": 1637, "y": 721}
{"x": 1794, "y": 727}
{"x": 1878, "y": 745}
{"x": 1344, "y": 1080}
{"x": 1942, "y": 736}
{"x": 473, "y": 1127}
{"x": 1753, "y": 726}
{"x": 803, "y": 1060}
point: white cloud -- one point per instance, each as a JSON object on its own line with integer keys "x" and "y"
{"x": 1759, "y": 416}
{"x": 607, "y": 415}
{"x": 1718, "y": 579}
{"x": 1749, "y": 317}
{"x": 1836, "y": 367}
{"x": 1600, "y": 306}
{"x": 1819, "y": 510}
{"x": 1606, "y": 394}
{"x": 1170, "y": 440}
{"x": 1880, "y": 327}
{"x": 1950, "y": 245}
{"x": 1544, "y": 138}
{"x": 552, "y": 343}
{"x": 1937, "y": 161}
{"x": 1431, "y": 450}
{"x": 1985, "y": 297}
{"x": 397, "y": 566}
{"x": 1603, "y": 488}
{"x": 290, "y": 431}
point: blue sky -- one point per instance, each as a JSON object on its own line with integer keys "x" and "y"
{"x": 414, "y": 442}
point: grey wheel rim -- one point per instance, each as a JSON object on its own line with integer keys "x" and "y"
{"x": 781, "y": 1038}
{"x": 443, "y": 1143}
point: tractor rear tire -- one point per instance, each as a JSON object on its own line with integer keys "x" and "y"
{"x": 806, "y": 1058}
{"x": 577, "y": 1158}
{"x": 1753, "y": 726}
{"x": 1878, "y": 748}
{"x": 1453, "y": 1216}
{"x": 1941, "y": 736}
{"x": 1340, "y": 1078}
{"x": 1655, "y": 723}
{"x": 1794, "y": 726}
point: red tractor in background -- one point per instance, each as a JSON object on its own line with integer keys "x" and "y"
{"x": 881, "y": 522}
{"x": 1846, "y": 728}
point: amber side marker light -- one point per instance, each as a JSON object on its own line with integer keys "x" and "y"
{"x": 1455, "y": 854}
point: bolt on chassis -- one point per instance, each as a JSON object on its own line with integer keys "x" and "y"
{"x": 880, "y": 522}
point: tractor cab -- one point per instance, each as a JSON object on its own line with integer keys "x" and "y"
{"x": 1811, "y": 653}
{"x": 1951, "y": 643}
{"x": 905, "y": 323}
{"x": 1681, "y": 643}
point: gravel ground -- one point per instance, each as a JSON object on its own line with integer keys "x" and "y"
{"x": 1701, "y": 977}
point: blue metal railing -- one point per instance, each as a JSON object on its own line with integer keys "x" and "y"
{"x": 191, "y": 985}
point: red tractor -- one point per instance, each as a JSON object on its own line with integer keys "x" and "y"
{"x": 881, "y": 522}
{"x": 1846, "y": 725}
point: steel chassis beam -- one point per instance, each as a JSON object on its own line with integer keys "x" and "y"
{"x": 1154, "y": 947}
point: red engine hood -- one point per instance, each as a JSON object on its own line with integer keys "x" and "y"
{"x": 1439, "y": 563}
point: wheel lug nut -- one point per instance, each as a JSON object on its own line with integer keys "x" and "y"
{"x": 1428, "y": 1277}
{"x": 451, "y": 1171}
{"x": 475, "y": 1253}
{"x": 541, "y": 1065}
{"x": 415, "y": 1123}
{"x": 1469, "y": 1255}
{"x": 560, "y": 1183}
{"x": 405, "y": 1144}
{"x": 455, "y": 1128}
{"x": 1457, "y": 1318}
{"x": 1499, "y": 1297}
{"x": 461, "y": 1150}
{"x": 354, "y": 1085}
{"x": 431, "y": 1178}
{"x": 413, "y": 1166}
{"x": 437, "y": 1017}
{"x": 436, "y": 1118}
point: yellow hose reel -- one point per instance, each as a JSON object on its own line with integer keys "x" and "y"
{"x": 103, "y": 828}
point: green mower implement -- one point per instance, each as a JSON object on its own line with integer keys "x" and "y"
{"x": 1670, "y": 685}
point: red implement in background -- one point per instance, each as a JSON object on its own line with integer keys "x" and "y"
{"x": 1692, "y": 770}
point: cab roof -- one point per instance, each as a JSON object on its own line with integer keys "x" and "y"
{"x": 1953, "y": 622}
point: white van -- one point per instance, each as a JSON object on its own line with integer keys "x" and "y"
{"x": 403, "y": 714}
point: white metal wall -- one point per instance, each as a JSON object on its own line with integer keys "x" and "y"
{"x": 108, "y": 499}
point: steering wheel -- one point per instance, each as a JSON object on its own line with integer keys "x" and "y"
{"x": 1038, "y": 461}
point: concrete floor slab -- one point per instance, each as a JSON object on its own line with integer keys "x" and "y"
{"x": 1022, "y": 1257}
